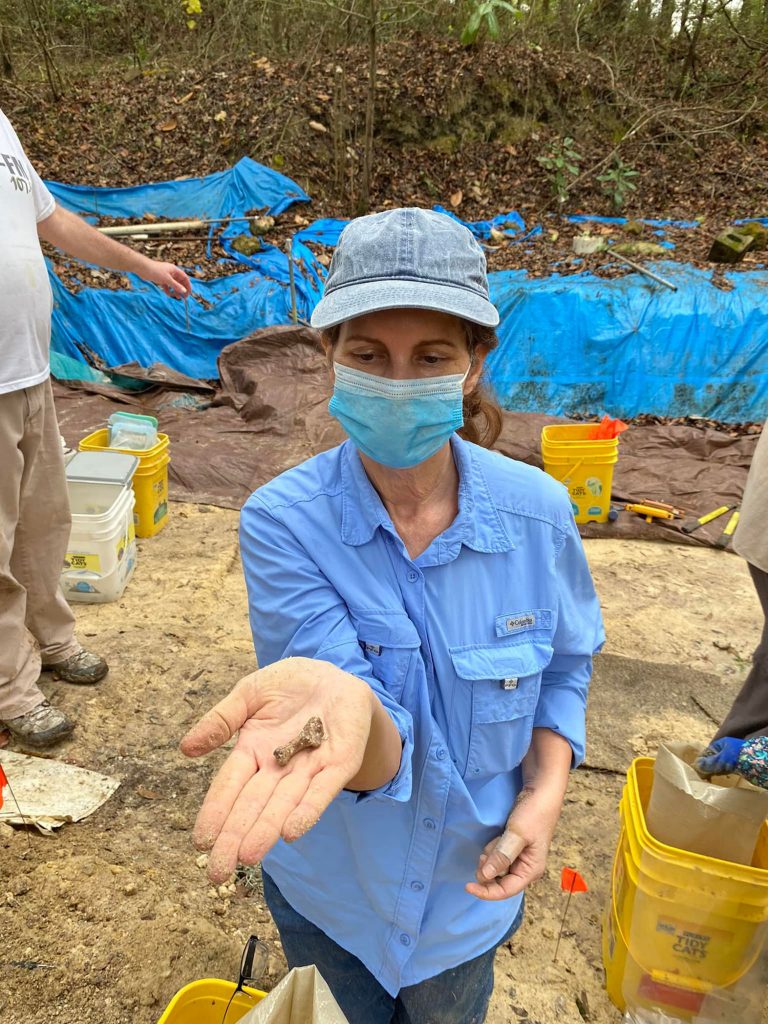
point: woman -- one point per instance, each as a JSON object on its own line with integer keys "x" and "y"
{"x": 436, "y": 607}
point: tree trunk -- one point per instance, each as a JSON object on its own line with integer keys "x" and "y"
{"x": 689, "y": 66}
{"x": 6, "y": 58}
{"x": 664, "y": 21}
{"x": 644, "y": 12}
{"x": 364, "y": 200}
{"x": 684, "y": 12}
{"x": 38, "y": 29}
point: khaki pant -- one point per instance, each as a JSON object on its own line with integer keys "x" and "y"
{"x": 36, "y": 623}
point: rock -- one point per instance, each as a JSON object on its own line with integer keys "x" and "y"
{"x": 585, "y": 245}
{"x": 582, "y": 1005}
{"x": 262, "y": 225}
{"x": 202, "y": 860}
{"x": 730, "y": 246}
{"x": 130, "y": 889}
{"x": 220, "y": 908}
{"x": 21, "y": 885}
{"x": 757, "y": 231}
{"x": 643, "y": 249}
{"x": 245, "y": 245}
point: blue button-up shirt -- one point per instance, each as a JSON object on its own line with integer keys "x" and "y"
{"x": 486, "y": 635}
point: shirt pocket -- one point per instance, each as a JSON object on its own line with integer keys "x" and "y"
{"x": 389, "y": 642}
{"x": 505, "y": 682}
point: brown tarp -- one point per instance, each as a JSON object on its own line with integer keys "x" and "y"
{"x": 271, "y": 413}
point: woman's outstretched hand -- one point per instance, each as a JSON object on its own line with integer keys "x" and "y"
{"x": 253, "y": 802}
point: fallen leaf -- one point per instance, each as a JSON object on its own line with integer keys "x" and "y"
{"x": 167, "y": 126}
{"x": 317, "y": 127}
{"x": 185, "y": 98}
{"x": 456, "y": 198}
{"x": 147, "y": 794}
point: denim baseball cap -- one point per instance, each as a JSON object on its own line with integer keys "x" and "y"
{"x": 410, "y": 259}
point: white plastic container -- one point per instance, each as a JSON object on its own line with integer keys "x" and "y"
{"x": 101, "y": 554}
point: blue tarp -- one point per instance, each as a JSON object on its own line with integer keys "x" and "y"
{"x": 586, "y": 344}
{"x": 568, "y": 344}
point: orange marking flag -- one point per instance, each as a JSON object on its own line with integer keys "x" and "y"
{"x": 607, "y": 429}
{"x": 571, "y": 881}
{"x": 3, "y": 782}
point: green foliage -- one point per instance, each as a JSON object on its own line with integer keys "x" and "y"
{"x": 484, "y": 18}
{"x": 562, "y": 166}
{"x": 77, "y": 12}
{"x": 617, "y": 182}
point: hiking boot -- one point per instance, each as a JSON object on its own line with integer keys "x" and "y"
{"x": 83, "y": 667}
{"x": 40, "y": 727}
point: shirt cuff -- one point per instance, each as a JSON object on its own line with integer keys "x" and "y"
{"x": 562, "y": 702}
{"x": 46, "y": 211}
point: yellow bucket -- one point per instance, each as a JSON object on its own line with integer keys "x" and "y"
{"x": 583, "y": 465}
{"x": 204, "y": 1002}
{"x": 681, "y": 931}
{"x": 150, "y": 481}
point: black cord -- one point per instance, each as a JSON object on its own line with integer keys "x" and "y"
{"x": 226, "y": 1011}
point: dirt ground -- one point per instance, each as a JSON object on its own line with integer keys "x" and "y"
{"x": 119, "y": 905}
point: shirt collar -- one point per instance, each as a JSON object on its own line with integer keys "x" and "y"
{"x": 478, "y": 524}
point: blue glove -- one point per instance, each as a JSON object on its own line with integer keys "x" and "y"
{"x": 720, "y": 758}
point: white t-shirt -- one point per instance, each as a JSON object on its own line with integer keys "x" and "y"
{"x": 25, "y": 292}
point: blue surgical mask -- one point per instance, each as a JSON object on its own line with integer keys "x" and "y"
{"x": 398, "y": 423}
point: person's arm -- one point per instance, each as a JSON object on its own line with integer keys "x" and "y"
{"x": 77, "y": 238}
{"x": 312, "y": 665}
{"x": 253, "y": 801}
{"x": 518, "y": 857}
{"x": 383, "y": 752}
{"x": 296, "y": 612}
{"x": 732, "y": 755}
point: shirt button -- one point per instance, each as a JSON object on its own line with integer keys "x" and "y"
{"x": 430, "y": 824}
{"x": 412, "y": 576}
{"x": 405, "y": 939}
{"x": 440, "y": 754}
{"x": 417, "y": 886}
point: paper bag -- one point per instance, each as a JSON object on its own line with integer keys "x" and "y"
{"x": 302, "y": 997}
{"x": 718, "y": 818}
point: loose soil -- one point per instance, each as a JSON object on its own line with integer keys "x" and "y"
{"x": 119, "y": 904}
